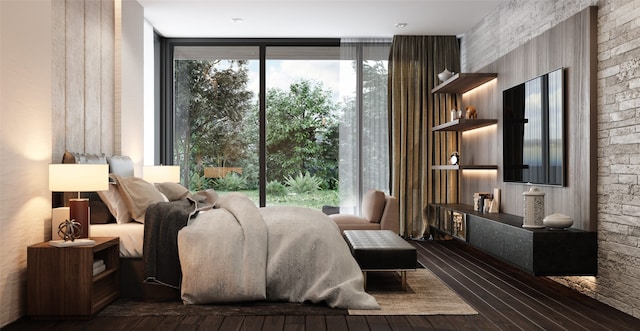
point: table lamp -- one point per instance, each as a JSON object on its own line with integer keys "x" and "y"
{"x": 79, "y": 178}
{"x": 161, "y": 174}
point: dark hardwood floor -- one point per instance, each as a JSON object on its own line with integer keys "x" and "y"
{"x": 505, "y": 298}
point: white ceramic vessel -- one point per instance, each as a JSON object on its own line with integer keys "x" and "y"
{"x": 557, "y": 221}
{"x": 446, "y": 74}
{"x": 533, "y": 208}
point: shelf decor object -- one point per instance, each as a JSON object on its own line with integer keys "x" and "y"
{"x": 79, "y": 178}
{"x": 533, "y": 206}
{"x": 455, "y": 158}
{"x": 445, "y": 75}
{"x": 557, "y": 221}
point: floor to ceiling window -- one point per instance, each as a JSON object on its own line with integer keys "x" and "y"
{"x": 302, "y": 113}
{"x": 295, "y": 123}
{"x": 215, "y": 122}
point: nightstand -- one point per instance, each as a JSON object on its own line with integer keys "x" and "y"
{"x": 60, "y": 280}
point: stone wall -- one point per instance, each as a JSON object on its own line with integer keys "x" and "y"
{"x": 618, "y": 110}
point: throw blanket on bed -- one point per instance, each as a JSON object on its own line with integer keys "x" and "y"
{"x": 238, "y": 252}
{"x": 163, "y": 220}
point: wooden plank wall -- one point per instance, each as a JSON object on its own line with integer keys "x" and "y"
{"x": 83, "y": 77}
{"x": 571, "y": 45}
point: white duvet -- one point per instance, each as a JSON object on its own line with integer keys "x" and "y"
{"x": 238, "y": 252}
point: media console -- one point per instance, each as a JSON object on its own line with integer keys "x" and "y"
{"x": 543, "y": 252}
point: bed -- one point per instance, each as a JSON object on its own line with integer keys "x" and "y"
{"x": 203, "y": 249}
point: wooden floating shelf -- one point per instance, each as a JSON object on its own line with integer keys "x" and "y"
{"x": 464, "y": 167}
{"x": 462, "y": 124}
{"x": 463, "y": 82}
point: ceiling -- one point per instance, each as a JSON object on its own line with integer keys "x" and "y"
{"x": 313, "y": 18}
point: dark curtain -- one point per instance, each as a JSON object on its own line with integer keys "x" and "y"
{"x": 414, "y": 64}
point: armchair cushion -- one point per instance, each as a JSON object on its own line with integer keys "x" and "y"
{"x": 373, "y": 205}
{"x": 353, "y": 222}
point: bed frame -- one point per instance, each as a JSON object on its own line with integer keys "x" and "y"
{"x": 132, "y": 285}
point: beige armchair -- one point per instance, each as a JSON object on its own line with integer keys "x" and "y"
{"x": 379, "y": 212}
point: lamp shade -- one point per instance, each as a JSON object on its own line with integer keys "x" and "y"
{"x": 78, "y": 177}
{"x": 161, "y": 174}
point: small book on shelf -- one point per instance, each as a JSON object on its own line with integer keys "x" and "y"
{"x": 99, "y": 269}
{"x": 97, "y": 263}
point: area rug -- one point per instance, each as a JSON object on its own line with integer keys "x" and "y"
{"x": 425, "y": 295}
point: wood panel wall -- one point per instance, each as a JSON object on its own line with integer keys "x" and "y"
{"x": 570, "y": 45}
{"x": 83, "y": 77}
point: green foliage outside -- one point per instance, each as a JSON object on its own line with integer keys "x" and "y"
{"x": 217, "y": 126}
{"x": 303, "y": 183}
{"x": 231, "y": 182}
{"x": 197, "y": 182}
{"x": 302, "y": 132}
{"x": 313, "y": 200}
{"x": 275, "y": 188}
{"x": 211, "y": 104}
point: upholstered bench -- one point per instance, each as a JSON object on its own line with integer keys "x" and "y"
{"x": 381, "y": 250}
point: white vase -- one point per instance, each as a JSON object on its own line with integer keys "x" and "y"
{"x": 533, "y": 208}
{"x": 444, "y": 75}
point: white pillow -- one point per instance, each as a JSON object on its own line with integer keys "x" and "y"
{"x": 116, "y": 204}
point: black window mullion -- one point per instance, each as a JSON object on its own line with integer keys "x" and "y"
{"x": 262, "y": 177}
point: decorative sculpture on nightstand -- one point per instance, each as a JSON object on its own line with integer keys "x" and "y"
{"x": 69, "y": 230}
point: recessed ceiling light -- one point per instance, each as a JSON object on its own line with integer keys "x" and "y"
{"x": 237, "y": 20}
{"x": 401, "y": 25}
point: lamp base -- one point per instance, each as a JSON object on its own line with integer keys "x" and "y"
{"x": 79, "y": 211}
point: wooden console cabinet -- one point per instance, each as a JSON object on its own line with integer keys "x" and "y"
{"x": 543, "y": 252}
{"x": 60, "y": 280}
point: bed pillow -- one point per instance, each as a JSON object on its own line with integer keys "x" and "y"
{"x": 99, "y": 213}
{"x": 138, "y": 194}
{"x": 173, "y": 191}
{"x": 116, "y": 204}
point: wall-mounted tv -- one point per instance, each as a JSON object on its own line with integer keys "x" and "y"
{"x": 533, "y": 118}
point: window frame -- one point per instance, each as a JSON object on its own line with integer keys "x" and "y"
{"x": 164, "y": 97}
{"x": 164, "y": 116}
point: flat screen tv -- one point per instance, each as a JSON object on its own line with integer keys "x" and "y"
{"x": 533, "y": 118}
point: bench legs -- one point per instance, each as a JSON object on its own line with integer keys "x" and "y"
{"x": 364, "y": 276}
{"x": 403, "y": 276}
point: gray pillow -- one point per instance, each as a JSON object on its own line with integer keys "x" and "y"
{"x": 138, "y": 194}
{"x": 173, "y": 191}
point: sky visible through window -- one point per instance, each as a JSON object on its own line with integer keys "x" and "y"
{"x": 335, "y": 75}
